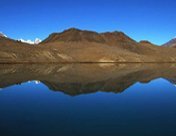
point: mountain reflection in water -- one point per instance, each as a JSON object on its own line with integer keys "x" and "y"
{"x": 76, "y": 79}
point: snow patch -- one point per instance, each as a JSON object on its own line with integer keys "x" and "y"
{"x": 36, "y": 41}
{"x": 2, "y": 35}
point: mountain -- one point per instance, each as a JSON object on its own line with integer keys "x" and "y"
{"x": 78, "y": 46}
{"x": 89, "y": 46}
{"x": 73, "y": 35}
{"x": 77, "y": 35}
{"x": 171, "y": 43}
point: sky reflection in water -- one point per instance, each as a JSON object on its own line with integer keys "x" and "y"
{"x": 140, "y": 109}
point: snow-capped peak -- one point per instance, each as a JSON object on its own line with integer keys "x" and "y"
{"x": 36, "y": 41}
{"x": 2, "y": 35}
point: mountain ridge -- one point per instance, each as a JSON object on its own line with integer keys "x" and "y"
{"x": 80, "y": 46}
{"x": 77, "y": 35}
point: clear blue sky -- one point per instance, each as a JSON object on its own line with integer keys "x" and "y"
{"x": 153, "y": 20}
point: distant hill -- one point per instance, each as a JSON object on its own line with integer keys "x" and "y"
{"x": 171, "y": 43}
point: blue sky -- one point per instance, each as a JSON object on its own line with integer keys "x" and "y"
{"x": 153, "y": 20}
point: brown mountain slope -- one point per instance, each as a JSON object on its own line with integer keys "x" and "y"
{"x": 12, "y": 51}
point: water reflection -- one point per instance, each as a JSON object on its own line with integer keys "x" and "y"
{"x": 76, "y": 79}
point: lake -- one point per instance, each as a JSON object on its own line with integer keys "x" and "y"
{"x": 104, "y": 99}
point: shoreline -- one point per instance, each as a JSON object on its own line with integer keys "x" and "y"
{"x": 85, "y": 62}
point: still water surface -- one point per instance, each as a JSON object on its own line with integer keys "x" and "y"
{"x": 88, "y": 100}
